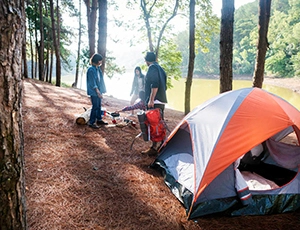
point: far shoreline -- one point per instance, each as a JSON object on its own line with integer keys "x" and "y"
{"x": 289, "y": 83}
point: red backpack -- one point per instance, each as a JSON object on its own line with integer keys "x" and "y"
{"x": 156, "y": 125}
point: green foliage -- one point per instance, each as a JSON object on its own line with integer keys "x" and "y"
{"x": 170, "y": 59}
{"x": 157, "y": 14}
{"x": 208, "y": 62}
{"x": 206, "y": 40}
{"x": 183, "y": 46}
{"x": 277, "y": 63}
{"x": 280, "y": 5}
{"x": 296, "y": 64}
{"x": 282, "y": 57}
{"x": 84, "y": 58}
{"x": 245, "y": 38}
{"x": 111, "y": 68}
{"x": 284, "y": 32}
{"x": 66, "y": 34}
{"x": 207, "y": 24}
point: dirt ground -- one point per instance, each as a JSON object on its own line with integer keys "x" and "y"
{"x": 80, "y": 178}
{"x": 290, "y": 83}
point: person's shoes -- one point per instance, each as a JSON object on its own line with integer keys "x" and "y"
{"x": 101, "y": 122}
{"x": 150, "y": 152}
{"x": 93, "y": 126}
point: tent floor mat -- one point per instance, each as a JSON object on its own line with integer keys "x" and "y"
{"x": 271, "y": 172}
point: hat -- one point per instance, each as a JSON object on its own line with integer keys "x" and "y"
{"x": 150, "y": 57}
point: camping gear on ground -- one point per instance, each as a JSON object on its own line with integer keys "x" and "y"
{"x": 83, "y": 118}
{"x": 144, "y": 130}
{"x": 200, "y": 159}
{"x": 152, "y": 125}
{"x": 114, "y": 114}
{"x": 156, "y": 125}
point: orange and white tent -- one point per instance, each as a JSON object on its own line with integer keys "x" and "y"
{"x": 201, "y": 158}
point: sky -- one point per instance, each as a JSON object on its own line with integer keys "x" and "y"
{"x": 122, "y": 48}
{"x": 131, "y": 56}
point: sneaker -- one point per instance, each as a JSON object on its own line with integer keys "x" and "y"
{"x": 150, "y": 152}
{"x": 101, "y": 122}
{"x": 93, "y": 126}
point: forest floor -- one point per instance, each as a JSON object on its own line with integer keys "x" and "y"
{"x": 80, "y": 178}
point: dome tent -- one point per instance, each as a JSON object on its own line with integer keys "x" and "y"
{"x": 200, "y": 160}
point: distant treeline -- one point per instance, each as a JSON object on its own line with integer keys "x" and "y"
{"x": 283, "y": 55}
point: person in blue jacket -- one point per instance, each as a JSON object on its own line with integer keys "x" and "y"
{"x": 95, "y": 89}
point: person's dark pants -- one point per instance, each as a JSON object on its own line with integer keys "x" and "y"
{"x": 96, "y": 109}
{"x": 162, "y": 109}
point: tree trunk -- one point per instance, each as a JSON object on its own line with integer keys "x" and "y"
{"x": 226, "y": 44}
{"x": 31, "y": 50}
{"x": 147, "y": 15}
{"x": 12, "y": 189}
{"x": 51, "y": 66}
{"x": 147, "y": 23}
{"x": 78, "y": 48}
{"x": 91, "y": 13}
{"x": 57, "y": 47}
{"x": 24, "y": 58}
{"x": 48, "y": 47}
{"x": 41, "y": 43}
{"x": 55, "y": 42}
{"x": 36, "y": 43}
{"x": 262, "y": 45}
{"x": 47, "y": 63}
{"x": 102, "y": 31}
{"x": 189, "y": 78}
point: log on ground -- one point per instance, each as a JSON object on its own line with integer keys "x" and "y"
{"x": 83, "y": 118}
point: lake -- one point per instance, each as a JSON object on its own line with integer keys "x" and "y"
{"x": 202, "y": 90}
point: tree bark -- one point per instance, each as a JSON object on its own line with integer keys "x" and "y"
{"x": 30, "y": 29}
{"x": 51, "y": 65}
{"x": 161, "y": 32}
{"x": 55, "y": 36}
{"x": 12, "y": 188}
{"x": 57, "y": 47}
{"x": 78, "y": 47}
{"x": 189, "y": 79}
{"x": 262, "y": 45}
{"x": 91, "y": 13}
{"x": 41, "y": 43}
{"x": 226, "y": 44}
{"x": 24, "y": 58}
{"x": 147, "y": 15}
{"x": 102, "y": 31}
{"x": 36, "y": 43}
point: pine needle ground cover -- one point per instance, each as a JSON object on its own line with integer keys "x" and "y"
{"x": 81, "y": 178}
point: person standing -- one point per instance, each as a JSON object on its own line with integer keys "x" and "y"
{"x": 138, "y": 85}
{"x": 95, "y": 89}
{"x": 155, "y": 91}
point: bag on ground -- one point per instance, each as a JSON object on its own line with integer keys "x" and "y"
{"x": 156, "y": 125}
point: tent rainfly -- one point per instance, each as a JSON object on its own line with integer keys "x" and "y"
{"x": 228, "y": 156}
